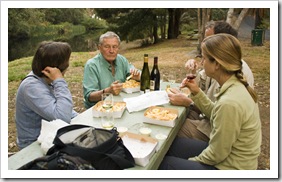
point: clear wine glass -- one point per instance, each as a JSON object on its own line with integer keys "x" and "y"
{"x": 164, "y": 79}
{"x": 191, "y": 74}
{"x": 108, "y": 101}
{"x": 107, "y": 118}
{"x": 171, "y": 79}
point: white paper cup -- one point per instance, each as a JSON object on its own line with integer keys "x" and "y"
{"x": 161, "y": 136}
{"x": 145, "y": 131}
{"x": 121, "y": 129}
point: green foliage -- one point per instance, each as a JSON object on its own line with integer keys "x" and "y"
{"x": 149, "y": 24}
{"x": 265, "y": 23}
{"x": 130, "y": 23}
{"x": 20, "y": 20}
{"x": 188, "y": 21}
{"x": 219, "y": 14}
{"x": 27, "y": 22}
{"x": 60, "y": 15}
{"x": 93, "y": 24}
{"x": 63, "y": 29}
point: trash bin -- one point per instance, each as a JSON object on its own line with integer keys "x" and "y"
{"x": 257, "y": 37}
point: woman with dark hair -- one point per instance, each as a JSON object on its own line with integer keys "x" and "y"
{"x": 235, "y": 136}
{"x": 44, "y": 93}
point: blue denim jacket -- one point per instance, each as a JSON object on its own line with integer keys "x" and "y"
{"x": 36, "y": 100}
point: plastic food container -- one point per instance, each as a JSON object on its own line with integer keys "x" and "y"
{"x": 118, "y": 109}
{"x": 161, "y": 116}
{"x": 141, "y": 147}
{"x": 131, "y": 86}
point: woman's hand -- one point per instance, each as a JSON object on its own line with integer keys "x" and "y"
{"x": 179, "y": 99}
{"x": 191, "y": 84}
{"x": 52, "y": 73}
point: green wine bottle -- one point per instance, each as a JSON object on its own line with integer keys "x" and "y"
{"x": 145, "y": 77}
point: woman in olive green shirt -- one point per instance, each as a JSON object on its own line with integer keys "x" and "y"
{"x": 235, "y": 138}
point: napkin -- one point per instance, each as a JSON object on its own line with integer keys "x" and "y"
{"x": 146, "y": 100}
{"x": 48, "y": 133}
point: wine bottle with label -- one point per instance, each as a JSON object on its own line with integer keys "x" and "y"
{"x": 155, "y": 76}
{"x": 145, "y": 77}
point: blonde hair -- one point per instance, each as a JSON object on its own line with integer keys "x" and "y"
{"x": 226, "y": 50}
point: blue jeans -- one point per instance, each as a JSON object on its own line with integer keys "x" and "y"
{"x": 179, "y": 152}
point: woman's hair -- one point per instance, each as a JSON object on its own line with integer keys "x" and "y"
{"x": 226, "y": 50}
{"x": 53, "y": 54}
{"x": 108, "y": 35}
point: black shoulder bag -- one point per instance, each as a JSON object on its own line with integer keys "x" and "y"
{"x": 103, "y": 149}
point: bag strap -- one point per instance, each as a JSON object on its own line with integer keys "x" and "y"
{"x": 120, "y": 161}
{"x": 68, "y": 128}
{"x": 88, "y": 154}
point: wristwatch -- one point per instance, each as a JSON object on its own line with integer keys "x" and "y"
{"x": 192, "y": 104}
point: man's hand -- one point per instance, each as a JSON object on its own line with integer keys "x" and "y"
{"x": 136, "y": 74}
{"x": 116, "y": 87}
{"x": 191, "y": 65}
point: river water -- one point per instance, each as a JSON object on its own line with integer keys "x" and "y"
{"x": 79, "y": 43}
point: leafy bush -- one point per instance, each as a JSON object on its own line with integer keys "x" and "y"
{"x": 93, "y": 24}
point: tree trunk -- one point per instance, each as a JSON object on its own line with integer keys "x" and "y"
{"x": 258, "y": 18}
{"x": 177, "y": 22}
{"x": 234, "y": 21}
{"x": 155, "y": 30}
{"x": 163, "y": 27}
{"x": 174, "y": 22}
{"x": 170, "y": 31}
{"x": 204, "y": 15}
{"x": 240, "y": 18}
{"x": 230, "y": 16}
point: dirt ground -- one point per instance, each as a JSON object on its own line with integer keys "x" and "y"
{"x": 262, "y": 86}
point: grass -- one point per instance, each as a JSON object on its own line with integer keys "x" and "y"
{"x": 172, "y": 56}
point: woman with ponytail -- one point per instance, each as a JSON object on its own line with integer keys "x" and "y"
{"x": 235, "y": 137}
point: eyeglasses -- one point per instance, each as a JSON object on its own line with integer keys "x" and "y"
{"x": 115, "y": 47}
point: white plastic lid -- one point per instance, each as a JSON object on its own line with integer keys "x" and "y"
{"x": 161, "y": 136}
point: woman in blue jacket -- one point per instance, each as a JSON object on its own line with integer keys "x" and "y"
{"x": 44, "y": 93}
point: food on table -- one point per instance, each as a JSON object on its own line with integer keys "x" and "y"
{"x": 131, "y": 84}
{"x": 118, "y": 106}
{"x": 161, "y": 114}
{"x": 185, "y": 91}
{"x": 168, "y": 90}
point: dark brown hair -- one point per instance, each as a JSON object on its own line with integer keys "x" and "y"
{"x": 221, "y": 27}
{"x": 53, "y": 54}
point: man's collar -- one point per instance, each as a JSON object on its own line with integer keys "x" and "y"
{"x": 105, "y": 61}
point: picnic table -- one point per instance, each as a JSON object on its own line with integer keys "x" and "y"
{"x": 129, "y": 120}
